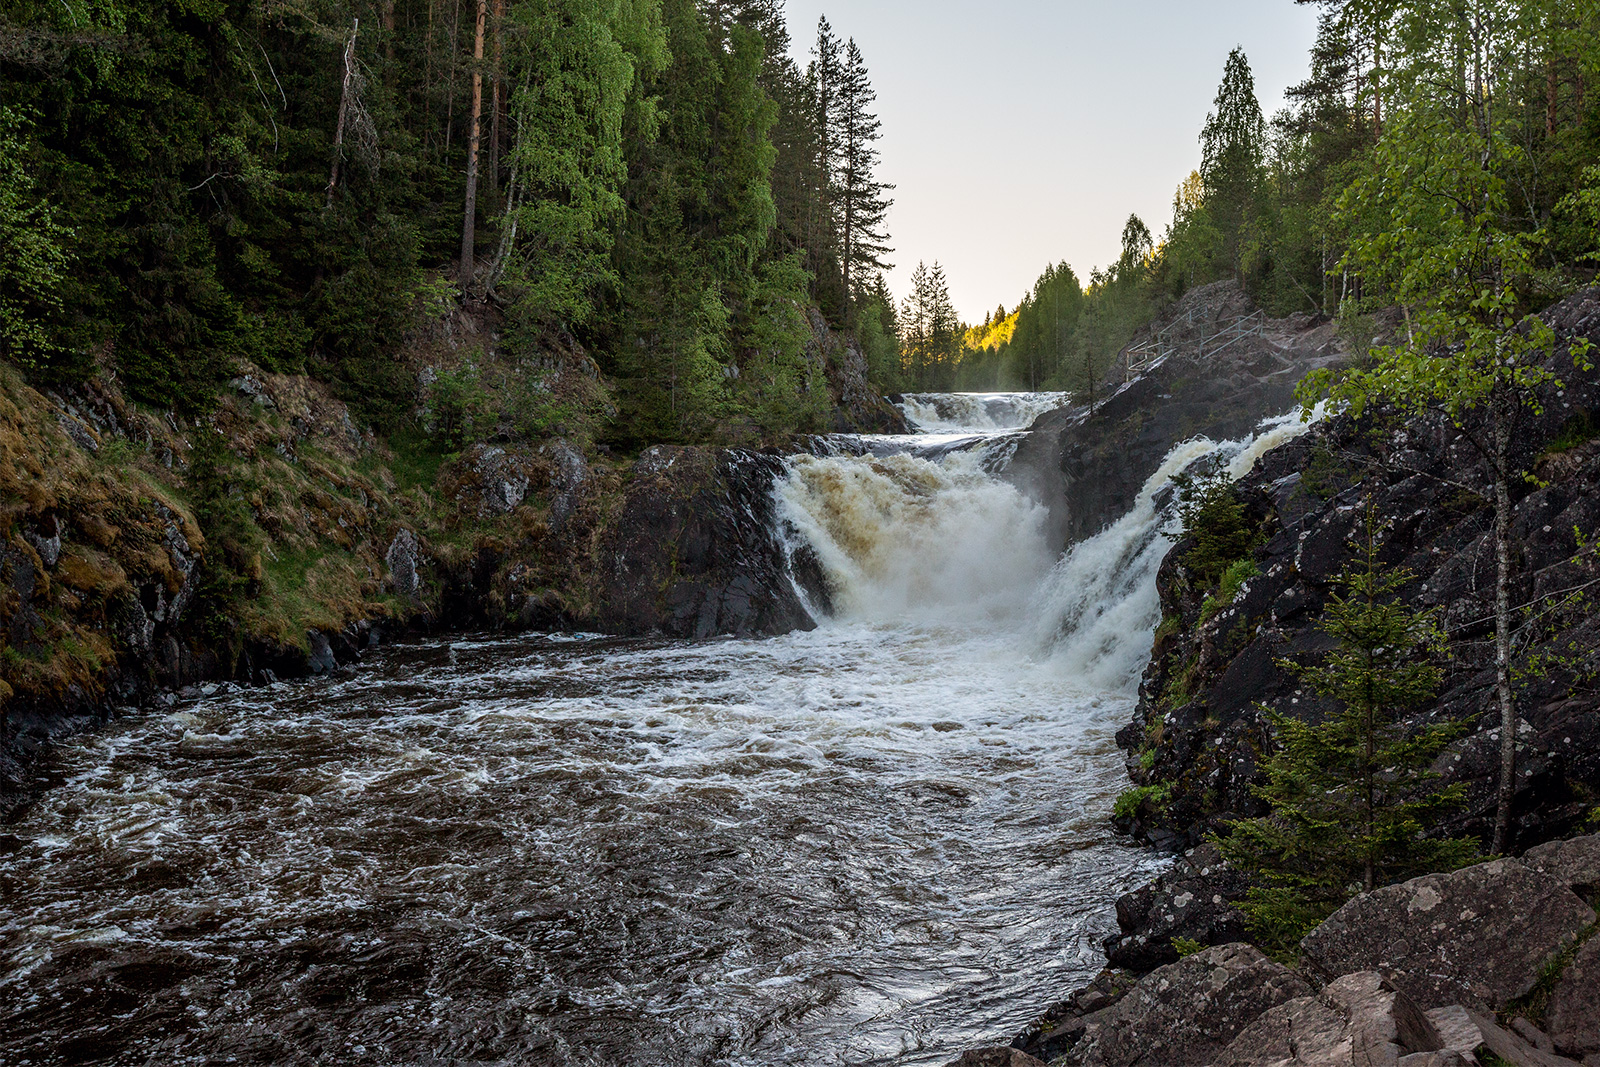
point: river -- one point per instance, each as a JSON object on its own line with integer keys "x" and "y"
{"x": 880, "y": 841}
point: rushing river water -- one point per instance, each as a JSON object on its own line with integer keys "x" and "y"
{"x": 877, "y": 842}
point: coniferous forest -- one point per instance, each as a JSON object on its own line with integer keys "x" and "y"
{"x": 1432, "y": 128}
{"x": 654, "y": 183}
{"x": 661, "y": 184}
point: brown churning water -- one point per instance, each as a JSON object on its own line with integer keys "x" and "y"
{"x": 878, "y": 842}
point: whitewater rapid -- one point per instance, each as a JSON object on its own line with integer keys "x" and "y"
{"x": 880, "y": 841}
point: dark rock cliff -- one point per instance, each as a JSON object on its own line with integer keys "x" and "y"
{"x": 1199, "y": 724}
{"x": 111, "y": 594}
{"x": 1218, "y": 368}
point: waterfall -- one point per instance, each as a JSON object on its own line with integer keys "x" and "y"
{"x": 944, "y": 541}
{"x": 977, "y": 412}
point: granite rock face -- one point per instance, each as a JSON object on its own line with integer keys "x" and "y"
{"x": 1573, "y": 1021}
{"x": 1357, "y": 1019}
{"x": 1199, "y": 726}
{"x": 1088, "y": 465}
{"x": 1188, "y": 1012}
{"x": 1477, "y": 937}
{"x": 1194, "y": 900}
{"x": 1574, "y": 863}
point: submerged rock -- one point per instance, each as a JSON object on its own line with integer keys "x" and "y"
{"x": 997, "y": 1056}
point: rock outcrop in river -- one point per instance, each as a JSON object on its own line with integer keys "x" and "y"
{"x": 1217, "y": 366}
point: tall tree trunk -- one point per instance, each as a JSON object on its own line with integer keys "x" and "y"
{"x": 427, "y": 87}
{"x": 469, "y": 219}
{"x": 388, "y": 31}
{"x": 497, "y": 104}
{"x": 450, "y": 89}
{"x": 1502, "y": 624}
{"x": 1550, "y": 96}
{"x": 344, "y": 109}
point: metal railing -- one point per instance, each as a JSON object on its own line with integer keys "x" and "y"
{"x": 1137, "y": 357}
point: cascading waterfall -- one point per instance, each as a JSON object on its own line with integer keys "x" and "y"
{"x": 910, "y": 538}
{"x": 977, "y": 412}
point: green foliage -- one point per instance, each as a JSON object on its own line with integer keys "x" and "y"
{"x": 459, "y": 408}
{"x": 1351, "y": 796}
{"x": 35, "y": 261}
{"x": 1579, "y": 430}
{"x": 231, "y": 565}
{"x": 1214, "y": 517}
{"x": 1186, "y": 946}
{"x": 581, "y": 64}
{"x": 1233, "y": 579}
{"x": 1130, "y": 801}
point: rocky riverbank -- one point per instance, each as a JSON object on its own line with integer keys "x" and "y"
{"x": 1492, "y": 964}
{"x": 143, "y": 552}
{"x": 1201, "y": 719}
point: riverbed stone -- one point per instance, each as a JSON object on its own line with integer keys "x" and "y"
{"x": 1574, "y": 1016}
{"x": 1479, "y": 936}
{"x": 1187, "y": 1012}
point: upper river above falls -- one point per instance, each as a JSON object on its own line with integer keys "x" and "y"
{"x": 880, "y": 841}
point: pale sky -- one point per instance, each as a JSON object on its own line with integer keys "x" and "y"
{"x": 1023, "y": 132}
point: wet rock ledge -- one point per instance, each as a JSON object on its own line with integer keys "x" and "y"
{"x": 1492, "y": 964}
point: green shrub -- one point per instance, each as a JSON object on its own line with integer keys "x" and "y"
{"x": 1186, "y": 946}
{"x": 1214, "y": 518}
{"x": 1233, "y": 579}
{"x": 1131, "y": 800}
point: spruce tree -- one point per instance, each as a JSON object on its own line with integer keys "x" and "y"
{"x": 1233, "y": 144}
{"x": 1352, "y": 796}
{"x": 861, "y": 200}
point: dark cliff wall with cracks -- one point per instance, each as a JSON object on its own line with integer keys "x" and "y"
{"x": 331, "y": 539}
{"x": 1214, "y": 378}
{"x": 1199, "y": 728}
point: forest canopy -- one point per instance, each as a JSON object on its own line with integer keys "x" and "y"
{"x": 655, "y": 183}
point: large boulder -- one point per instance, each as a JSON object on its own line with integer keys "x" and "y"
{"x": 1187, "y": 1012}
{"x": 1574, "y": 862}
{"x": 1194, "y": 901}
{"x": 1358, "y": 1019}
{"x": 1479, "y": 936}
{"x": 1480, "y": 1037}
{"x": 1573, "y": 1021}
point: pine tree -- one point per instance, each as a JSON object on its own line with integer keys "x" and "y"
{"x": 1352, "y": 796}
{"x": 861, "y": 203}
{"x": 1233, "y": 144}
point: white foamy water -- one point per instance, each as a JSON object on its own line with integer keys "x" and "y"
{"x": 878, "y": 842}
{"x": 977, "y": 412}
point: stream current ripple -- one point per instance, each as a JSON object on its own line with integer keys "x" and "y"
{"x": 877, "y": 842}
